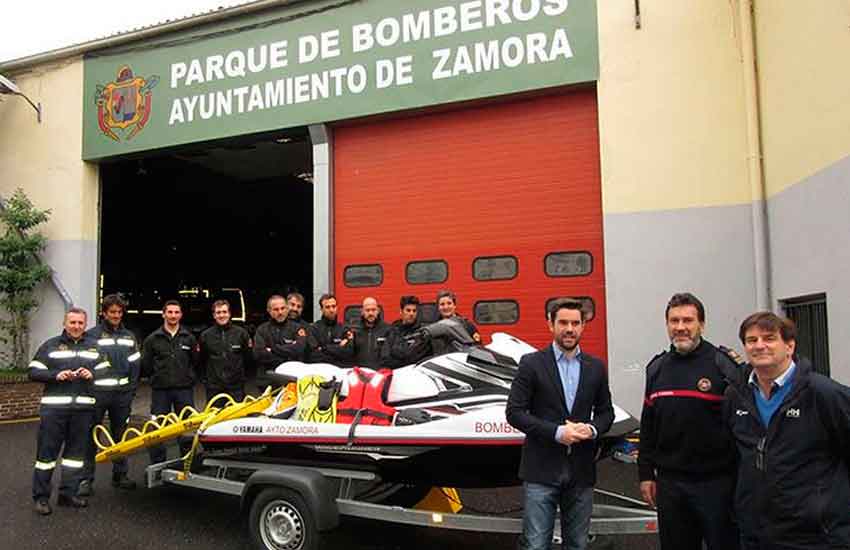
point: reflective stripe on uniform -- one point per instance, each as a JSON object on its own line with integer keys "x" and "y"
{"x": 37, "y": 365}
{"x": 56, "y": 400}
{"x": 101, "y": 365}
{"x": 112, "y": 382}
{"x": 39, "y": 465}
{"x": 106, "y": 342}
{"x": 62, "y": 354}
{"x": 125, "y": 342}
{"x": 88, "y": 354}
{"x": 72, "y": 463}
{"x": 84, "y": 400}
{"x": 134, "y": 357}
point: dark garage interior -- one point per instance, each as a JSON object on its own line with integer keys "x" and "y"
{"x": 203, "y": 224}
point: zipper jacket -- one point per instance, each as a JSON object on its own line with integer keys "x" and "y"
{"x": 170, "y": 360}
{"x": 120, "y": 347}
{"x": 793, "y": 486}
{"x": 64, "y": 353}
{"x": 224, "y": 352}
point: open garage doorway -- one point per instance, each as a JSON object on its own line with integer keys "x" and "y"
{"x": 228, "y": 220}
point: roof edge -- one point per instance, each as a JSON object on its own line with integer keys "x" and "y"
{"x": 142, "y": 33}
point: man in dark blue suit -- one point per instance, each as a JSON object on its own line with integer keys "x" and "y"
{"x": 555, "y": 394}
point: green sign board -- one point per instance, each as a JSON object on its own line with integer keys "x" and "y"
{"x": 320, "y": 62}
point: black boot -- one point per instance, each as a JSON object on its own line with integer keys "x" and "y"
{"x": 121, "y": 481}
{"x": 42, "y": 507}
{"x": 86, "y": 488}
{"x": 73, "y": 502}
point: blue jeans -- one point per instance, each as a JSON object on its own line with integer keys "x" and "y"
{"x": 538, "y": 522}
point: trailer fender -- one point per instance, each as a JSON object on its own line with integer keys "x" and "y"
{"x": 313, "y": 487}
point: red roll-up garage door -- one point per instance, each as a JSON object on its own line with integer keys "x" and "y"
{"x": 502, "y": 201}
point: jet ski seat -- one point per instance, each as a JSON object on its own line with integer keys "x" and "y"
{"x": 407, "y": 383}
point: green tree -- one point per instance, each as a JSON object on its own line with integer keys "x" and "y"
{"x": 21, "y": 271}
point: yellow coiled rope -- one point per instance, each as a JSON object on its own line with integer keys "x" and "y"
{"x": 166, "y": 427}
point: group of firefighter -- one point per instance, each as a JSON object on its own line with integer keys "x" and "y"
{"x": 752, "y": 456}
{"x": 94, "y": 373}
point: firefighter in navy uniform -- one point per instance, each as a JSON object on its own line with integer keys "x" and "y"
{"x": 169, "y": 357}
{"x": 370, "y": 335}
{"x": 406, "y": 343}
{"x": 66, "y": 364}
{"x": 114, "y": 388}
{"x": 686, "y": 460}
{"x": 327, "y": 340}
{"x": 279, "y": 339}
{"x": 225, "y": 348}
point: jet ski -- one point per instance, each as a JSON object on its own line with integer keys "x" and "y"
{"x": 440, "y": 422}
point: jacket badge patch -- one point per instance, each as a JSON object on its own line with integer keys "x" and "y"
{"x": 792, "y": 413}
{"x": 704, "y": 384}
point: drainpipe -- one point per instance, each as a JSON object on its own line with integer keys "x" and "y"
{"x": 758, "y": 195}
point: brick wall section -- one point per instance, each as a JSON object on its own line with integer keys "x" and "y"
{"x": 19, "y": 398}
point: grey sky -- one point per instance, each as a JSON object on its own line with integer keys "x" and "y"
{"x": 35, "y": 26}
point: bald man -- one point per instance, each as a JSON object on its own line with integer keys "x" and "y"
{"x": 370, "y": 334}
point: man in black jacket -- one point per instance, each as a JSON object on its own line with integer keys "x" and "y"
{"x": 560, "y": 399}
{"x": 66, "y": 364}
{"x": 370, "y": 335}
{"x": 279, "y": 339}
{"x": 169, "y": 357}
{"x": 792, "y": 429}
{"x": 225, "y": 348}
{"x": 327, "y": 340}
{"x": 406, "y": 344}
{"x": 686, "y": 461}
{"x": 115, "y": 386}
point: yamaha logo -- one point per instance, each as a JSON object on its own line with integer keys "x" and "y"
{"x": 247, "y": 429}
{"x": 792, "y": 413}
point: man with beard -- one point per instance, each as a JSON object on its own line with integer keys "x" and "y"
{"x": 327, "y": 340}
{"x": 405, "y": 343}
{"x": 295, "y": 303}
{"x": 279, "y": 339}
{"x": 370, "y": 335}
{"x": 560, "y": 399}
{"x": 686, "y": 461}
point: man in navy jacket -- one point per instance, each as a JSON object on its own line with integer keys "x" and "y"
{"x": 792, "y": 429}
{"x": 555, "y": 394}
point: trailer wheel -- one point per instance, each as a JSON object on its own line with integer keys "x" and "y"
{"x": 280, "y": 520}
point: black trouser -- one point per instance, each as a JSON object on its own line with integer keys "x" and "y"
{"x": 59, "y": 426}
{"x": 117, "y": 404}
{"x": 236, "y": 392}
{"x": 695, "y": 509}
{"x": 162, "y": 402}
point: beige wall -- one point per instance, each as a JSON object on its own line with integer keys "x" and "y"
{"x": 671, "y": 106}
{"x": 44, "y": 158}
{"x": 804, "y": 87}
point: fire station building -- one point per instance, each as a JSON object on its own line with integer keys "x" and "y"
{"x": 513, "y": 151}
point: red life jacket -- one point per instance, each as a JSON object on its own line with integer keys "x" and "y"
{"x": 365, "y": 400}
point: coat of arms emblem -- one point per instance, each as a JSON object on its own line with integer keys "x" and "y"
{"x": 125, "y": 103}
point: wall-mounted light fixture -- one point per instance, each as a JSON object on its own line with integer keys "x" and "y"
{"x": 9, "y": 87}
